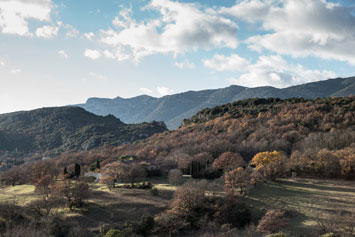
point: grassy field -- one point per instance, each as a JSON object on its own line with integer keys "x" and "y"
{"x": 104, "y": 207}
{"x": 121, "y": 205}
{"x": 305, "y": 199}
{"x": 21, "y": 194}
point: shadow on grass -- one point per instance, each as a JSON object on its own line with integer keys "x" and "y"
{"x": 296, "y": 219}
{"x": 115, "y": 213}
{"x": 307, "y": 201}
{"x": 319, "y": 186}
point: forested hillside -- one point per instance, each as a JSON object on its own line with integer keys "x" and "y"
{"x": 305, "y": 131}
{"x": 54, "y": 130}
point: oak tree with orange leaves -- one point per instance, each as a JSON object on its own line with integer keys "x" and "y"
{"x": 269, "y": 164}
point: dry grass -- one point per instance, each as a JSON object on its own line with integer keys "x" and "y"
{"x": 120, "y": 206}
{"x": 306, "y": 199}
{"x": 20, "y": 194}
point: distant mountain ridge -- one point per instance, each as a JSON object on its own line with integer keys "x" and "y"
{"x": 173, "y": 109}
{"x": 58, "y": 129}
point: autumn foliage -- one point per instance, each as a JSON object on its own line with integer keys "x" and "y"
{"x": 269, "y": 164}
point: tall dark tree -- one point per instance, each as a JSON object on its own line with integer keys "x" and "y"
{"x": 77, "y": 170}
{"x": 97, "y": 164}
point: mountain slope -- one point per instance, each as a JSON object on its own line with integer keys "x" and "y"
{"x": 58, "y": 129}
{"x": 298, "y": 128}
{"x": 173, "y": 109}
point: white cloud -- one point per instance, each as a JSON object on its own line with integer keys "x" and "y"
{"x": 179, "y": 28}
{"x": 15, "y": 71}
{"x": 222, "y": 63}
{"x": 145, "y": 90}
{"x": 277, "y": 72}
{"x": 63, "y": 54}
{"x": 118, "y": 53}
{"x": 89, "y": 35}
{"x": 185, "y": 64}
{"x": 2, "y": 63}
{"x": 14, "y": 15}
{"x": 301, "y": 28}
{"x": 163, "y": 91}
{"x": 98, "y": 76}
{"x": 47, "y": 32}
{"x": 72, "y": 32}
{"x": 249, "y": 10}
{"x": 92, "y": 54}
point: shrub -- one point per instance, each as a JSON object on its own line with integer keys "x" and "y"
{"x": 329, "y": 235}
{"x": 233, "y": 212}
{"x": 272, "y": 222}
{"x": 211, "y": 173}
{"x": 154, "y": 192}
{"x": 146, "y": 225}
{"x": 188, "y": 197}
{"x": 57, "y": 227}
{"x": 170, "y": 224}
{"x": 175, "y": 177}
{"x": 114, "y": 233}
{"x": 105, "y": 228}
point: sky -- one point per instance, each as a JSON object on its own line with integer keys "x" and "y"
{"x": 61, "y": 52}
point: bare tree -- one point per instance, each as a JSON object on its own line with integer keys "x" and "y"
{"x": 228, "y": 161}
{"x": 13, "y": 176}
{"x": 133, "y": 173}
{"x": 237, "y": 178}
{"x": 188, "y": 197}
{"x": 175, "y": 177}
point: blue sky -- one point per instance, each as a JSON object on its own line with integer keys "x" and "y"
{"x": 59, "y": 52}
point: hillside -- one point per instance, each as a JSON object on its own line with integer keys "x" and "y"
{"x": 299, "y": 128}
{"x": 313, "y": 138}
{"x": 55, "y": 130}
{"x": 173, "y": 109}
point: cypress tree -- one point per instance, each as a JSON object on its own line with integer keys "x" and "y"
{"x": 98, "y": 164}
{"x": 77, "y": 170}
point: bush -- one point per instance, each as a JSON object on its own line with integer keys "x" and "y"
{"x": 145, "y": 185}
{"x": 105, "y": 228}
{"x": 209, "y": 173}
{"x": 170, "y": 224}
{"x": 188, "y": 197}
{"x": 175, "y": 177}
{"x": 146, "y": 225}
{"x": 57, "y": 227}
{"x": 233, "y": 212}
{"x": 154, "y": 173}
{"x": 212, "y": 173}
{"x": 272, "y": 222}
{"x": 114, "y": 233}
{"x": 329, "y": 235}
{"x": 154, "y": 192}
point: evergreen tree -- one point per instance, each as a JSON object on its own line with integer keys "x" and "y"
{"x": 98, "y": 164}
{"x": 77, "y": 170}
